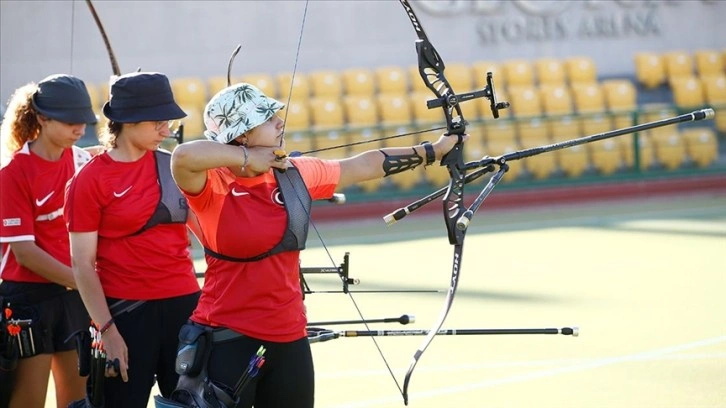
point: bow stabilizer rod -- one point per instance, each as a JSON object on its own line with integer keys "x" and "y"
{"x": 317, "y": 334}
{"x": 403, "y": 319}
{"x": 487, "y": 164}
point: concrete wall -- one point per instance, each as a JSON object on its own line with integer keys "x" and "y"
{"x": 195, "y": 38}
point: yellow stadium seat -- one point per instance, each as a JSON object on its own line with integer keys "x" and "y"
{"x": 330, "y": 138}
{"x": 687, "y": 92}
{"x": 580, "y": 69}
{"x": 708, "y": 63}
{"x": 360, "y": 110}
{"x": 394, "y": 109}
{"x": 534, "y": 133}
{"x": 621, "y": 100}
{"x": 300, "y": 87}
{"x": 460, "y": 77}
{"x": 669, "y": 148}
{"x": 518, "y": 73}
{"x": 480, "y": 70}
{"x": 595, "y": 123}
{"x": 96, "y": 101}
{"x": 189, "y": 91}
{"x": 645, "y": 149}
{"x": 500, "y": 130}
{"x": 325, "y": 83}
{"x": 104, "y": 90}
{"x": 573, "y": 161}
{"x": 556, "y": 99}
{"x": 524, "y": 101}
{"x": 550, "y": 71}
{"x": 715, "y": 89}
{"x": 541, "y": 166}
{"x": 391, "y": 80}
{"x": 298, "y": 141}
{"x": 588, "y": 98}
{"x": 359, "y": 81}
{"x": 296, "y": 116}
{"x": 605, "y": 155}
{"x": 193, "y": 122}
{"x": 656, "y": 111}
{"x": 327, "y": 112}
{"x": 701, "y": 145}
{"x": 474, "y": 148}
{"x": 265, "y": 83}
{"x": 677, "y": 64}
{"x": 217, "y": 83}
{"x": 563, "y": 128}
{"x": 418, "y": 85}
{"x": 421, "y": 113}
{"x": 649, "y": 69}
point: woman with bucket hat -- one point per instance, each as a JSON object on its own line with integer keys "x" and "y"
{"x": 254, "y": 222}
{"x": 39, "y": 308}
{"x": 129, "y": 243}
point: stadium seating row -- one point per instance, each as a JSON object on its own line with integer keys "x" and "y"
{"x": 394, "y": 108}
{"x": 655, "y": 69}
{"x": 362, "y": 81}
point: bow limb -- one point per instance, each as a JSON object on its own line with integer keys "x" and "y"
{"x": 111, "y": 56}
{"x": 431, "y": 68}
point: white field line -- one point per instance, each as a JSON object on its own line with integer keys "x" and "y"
{"x": 587, "y": 364}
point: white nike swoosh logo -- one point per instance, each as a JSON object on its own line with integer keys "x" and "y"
{"x": 44, "y": 199}
{"x": 121, "y": 194}
{"x": 239, "y": 193}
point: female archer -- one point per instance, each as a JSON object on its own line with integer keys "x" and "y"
{"x": 253, "y": 207}
{"x": 129, "y": 242}
{"x": 41, "y": 126}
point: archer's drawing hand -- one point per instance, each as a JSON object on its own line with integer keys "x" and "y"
{"x": 262, "y": 159}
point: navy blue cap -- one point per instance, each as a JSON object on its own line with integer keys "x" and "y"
{"x": 141, "y": 97}
{"x": 64, "y": 98}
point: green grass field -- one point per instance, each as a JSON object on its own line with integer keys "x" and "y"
{"x": 644, "y": 281}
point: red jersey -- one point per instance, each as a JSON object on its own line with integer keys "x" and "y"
{"x": 31, "y": 208}
{"x": 243, "y": 217}
{"x": 116, "y": 199}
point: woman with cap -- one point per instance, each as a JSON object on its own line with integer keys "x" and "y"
{"x": 129, "y": 242}
{"x": 254, "y": 223}
{"x": 42, "y": 123}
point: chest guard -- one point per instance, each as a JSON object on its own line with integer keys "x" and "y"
{"x": 172, "y": 207}
{"x": 297, "y": 206}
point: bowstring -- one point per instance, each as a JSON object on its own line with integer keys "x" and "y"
{"x": 294, "y": 71}
{"x": 315, "y": 228}
{"x": 73, "y": 32}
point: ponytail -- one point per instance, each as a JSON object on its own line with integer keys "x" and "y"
{"x": 20, "y": 124}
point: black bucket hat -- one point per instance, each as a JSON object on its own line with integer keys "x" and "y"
{"x": 65, "y": 99}
{"x": 141, "y": 97}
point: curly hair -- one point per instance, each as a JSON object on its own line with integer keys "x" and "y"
{"x": 110, "y": 132}
{"x": 20, "y": 124}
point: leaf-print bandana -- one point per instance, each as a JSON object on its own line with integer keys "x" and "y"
{"x": 235, "y": 110}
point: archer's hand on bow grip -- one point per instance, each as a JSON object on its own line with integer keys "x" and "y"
{"x": 446, "y": 143}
